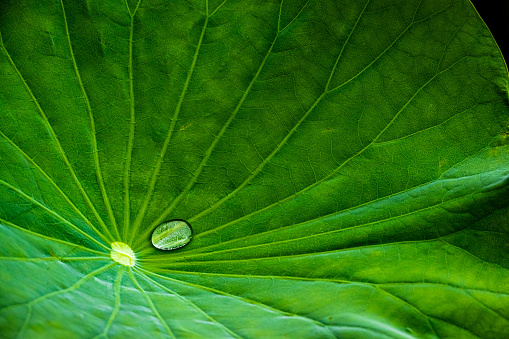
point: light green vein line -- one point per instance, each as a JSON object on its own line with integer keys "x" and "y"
{"x": 52, "y": 294}
{"x": 23, "y": 328}
{"x": 55, "y": 214}
{"x": 295, "y": 18}
{"x": 308, "y": 255}
{"x": 128, "y": 9}
{"x": 430, "y": 127}
{"x": 55, "y": 138}
{"x": 335, "y": 213}
{"x": 448, "y": 43}
{"x": 92, "y": 131}
{"x": 387, "y": 49}
{"x": 202, "y": 164}
{"x": 187, "y": 255}
{"x": 130, "y": 143}
{"x": 10, "y": 224}
{"x": 192, "y": 304}
{"x": 244, "y": 300}
{"x": 217, "y": 8}
{"x": 155, "y": 173}
{"x": 343, "y": 164}
{"x": 492, "y": 310}
{"x": 116, "y": 306}
{"x": 151, "y": 304}
{"x": 422, "y": 314}
{"x": 455, "y": 325}
{"x": 53, "y": 259}
{"x": 329, "y": 280}
{"x": 53, "y": 183}
{"x": 288, "y": 136}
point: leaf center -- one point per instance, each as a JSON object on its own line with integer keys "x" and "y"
{"x": 122, "y": 253}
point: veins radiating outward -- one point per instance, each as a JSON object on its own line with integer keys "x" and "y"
{"x": 343, "y": 164}
{"x": 211, "y": 148}
{"x": 242, "y": 299}
{"x": 292, "y": 131}
{"x": 45, "y": 237}
{"x": 55, "y": 139}
{"x": 151, "y": 304}
{"x": 376, "y": 288}
{"x": 75, "y": 286}
{"x": 116, "y": 306}
{"x": 188, "y": 302}
{"x": 130, "y": 143}
{"x": 92, "y": 132}
{"x": 54, "y": 184}
{"x": 155, "y": 173}
{"x": 53, "y": 213}
{"x": 340, "y": 166}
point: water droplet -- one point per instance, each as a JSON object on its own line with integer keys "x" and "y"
{"x": 172, "y": 234}
{"x": 122, "y": 253}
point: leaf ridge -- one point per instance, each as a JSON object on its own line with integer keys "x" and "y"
{"x": 52, "y": 259}
{"x": 45, "y": 237}
{"x": 294, "y": 18}
{"x": 344, "y": 163}
{"x": 75, "y": 286}
{"x": 151, "y": 304}
{"x": 202, "y": 164}
{"x": 54, "y": 184}
{"x": 92, "y": 130}
{"x": 192, "y": 304}
{"x": 287, "y": 137}
{"x": 55, "y": 214}
{"x": 245, "y": 300}
{"x": 53, "y": 135}
{"x": 116, "y": 306}
{"x": 130, "y": 142}
{"x": 155, "y": 173}
{"x": 330, "y": 280}
{"x": 412, "y": 23}
{"x": 215, "y": 10}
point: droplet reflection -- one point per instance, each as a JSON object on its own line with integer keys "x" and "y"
{"x": 172, "y": 234}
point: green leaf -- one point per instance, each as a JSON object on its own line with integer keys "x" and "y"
{"x": 344, "y": 166}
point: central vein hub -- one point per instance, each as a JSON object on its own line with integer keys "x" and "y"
{"x": 122, "y": 253}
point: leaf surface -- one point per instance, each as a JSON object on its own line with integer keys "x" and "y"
{"x": 344, "y": 166}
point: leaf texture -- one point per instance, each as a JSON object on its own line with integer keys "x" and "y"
{"x": 344, "y": 166}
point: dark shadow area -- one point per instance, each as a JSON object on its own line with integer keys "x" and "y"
{"x": 496, "y": 16}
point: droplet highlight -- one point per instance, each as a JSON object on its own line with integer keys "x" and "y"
{"x": 172, "y": 234}
{"x": 122, "y": 253}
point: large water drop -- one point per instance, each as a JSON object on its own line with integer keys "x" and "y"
{"x": 172, "y": 234}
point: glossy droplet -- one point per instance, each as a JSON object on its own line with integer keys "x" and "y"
{"x": 172, "y": 234}
{"x": 122, "y": 253}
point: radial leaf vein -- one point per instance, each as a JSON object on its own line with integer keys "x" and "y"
{"x": 53, "y": 213}
{"x": 189, "y": 302}
{"x": 189, "y": 254}
{"x": 245, "y": 300}
{"x": 343, "y": 164}
{"x": 30, "y": 304}
{"x": 155, "y": 173}
{"x": 288, "y": 136}
{"x": 59, "y": 190}
{"x": 130, "y": 142}
{"x": 151, "y": 304}
{"x": 54, "y": 137}
{"x": 45, "y": 237}
{"x": 92, "y": 131}
{"x": 116, "y": 306}
{"x": 209, "y": 151}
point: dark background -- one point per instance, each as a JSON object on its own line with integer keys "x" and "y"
{"x": 495, "y": 14}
